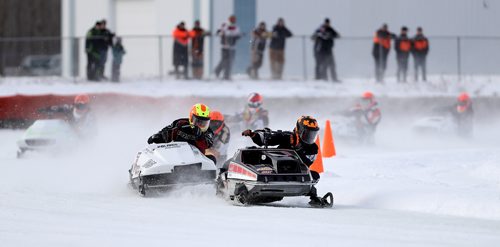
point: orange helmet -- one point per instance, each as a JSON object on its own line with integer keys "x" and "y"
{"x": 200, "y": 116}
{"x": 307, "y": 129}
{"x": 368, "y": 95}
{"x": 81, "y": 103}
{"x": 463, "y": 102}
{"x": 216, "y": 116}
{"x": 82, "y": 99}
{"x": 216, "y": 122}
{"x": 463, "y": 97}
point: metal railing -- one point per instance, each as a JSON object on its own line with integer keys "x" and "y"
{"x": 150, "y": 57}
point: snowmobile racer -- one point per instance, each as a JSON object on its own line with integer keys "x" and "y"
{"x": 78, "y": 114}
{"x": 301, "y": 139}
{"x": 193, "y": 130}
{"x": 254, "y": 116}
{"x": 221, "y": 138}
{"x": 367, "y": 117}
{"x": 462, "y": 115}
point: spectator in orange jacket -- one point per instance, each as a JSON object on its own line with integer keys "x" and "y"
{"x": 419, "y": 51}
{"x": 403, "y": 48}
{"x": 381, "y": 48}
{"x": 197, "y": 41}
{"x": 181, "y": 40}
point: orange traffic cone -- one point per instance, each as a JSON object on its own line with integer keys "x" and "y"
{"x": 317, "y": 166}
{"x": 328, "y": 144}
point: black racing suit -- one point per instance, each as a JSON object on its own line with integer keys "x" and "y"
{"x": 180, "y": 130}
{"x": 289, "y": 140}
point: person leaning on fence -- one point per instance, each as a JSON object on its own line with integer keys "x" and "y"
{"x": 277, "y": 48}
{"x": 118, "y": 52}
{"x": 229, "y": 34}
{"x": 324, "y": 38}
{"x": 181, "y": 40}
{"x": 197, "y": 40}
{"x": 419, "y": 51}
{"x": 381, "y": 48}
{"x": 92, "y": 51}
{"x": 258, "y": 45}
{"x": 402, "y": 47}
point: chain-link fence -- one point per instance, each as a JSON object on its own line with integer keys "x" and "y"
{"x": 150, "y": 57}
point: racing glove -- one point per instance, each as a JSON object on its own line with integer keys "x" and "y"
{"x": 248, "y": 132}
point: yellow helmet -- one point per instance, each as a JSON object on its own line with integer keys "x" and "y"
{"x": 200, "y": 116}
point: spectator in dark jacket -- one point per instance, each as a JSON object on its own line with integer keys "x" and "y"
{"x": 118, "y": 52}
{"x": 92, "y": 51}
{"x": 403, "y": 48}
{"x": 381, "y": 48}
{"x": 258, "y": 45}
{"x": 323, "y": 51}
{"x": 229, "y": 34}
{"x": 104, "y": 41}
{"x": 181, "y": 40}
{"x": 419, "y": 51}
{"x": 277, "y": 48}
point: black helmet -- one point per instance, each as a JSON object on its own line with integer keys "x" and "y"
{"x": 307, "y": 129}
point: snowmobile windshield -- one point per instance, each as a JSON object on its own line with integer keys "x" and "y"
{"x": 365, "y": 103}
{"x": 201, "y": 122}
{"x": 308, "y": 135}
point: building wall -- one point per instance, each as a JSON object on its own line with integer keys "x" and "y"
{"x": 352, "y": 18}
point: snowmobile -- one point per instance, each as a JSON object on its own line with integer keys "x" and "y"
{"x": 263, "y": 175}
{"x": 160, "y": 166}
{"x": 345, "y": 129}
{"x": 47, "y": 135}
{"x": 437, "y": 124}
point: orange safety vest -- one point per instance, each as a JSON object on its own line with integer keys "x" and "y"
{"x": 385, "y": 42}
{"x": 181, "y": 36}
{"x": 405, "y": 45}
{"x": 421, "y": 44}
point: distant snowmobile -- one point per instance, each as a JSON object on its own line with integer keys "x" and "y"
{"x": 437, "y": 124}
{"x": 160, "y": 166}
{"x": 47, "y": 135}
{"x": 264, "y": 175}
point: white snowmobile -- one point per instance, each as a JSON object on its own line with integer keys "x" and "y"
{"x": 264, "y": 175}
{"x": 47, "y": 135}
{"x": 160, "y": 166}
{"x": 344, "y": 128}
{"x": 440, "y": 124}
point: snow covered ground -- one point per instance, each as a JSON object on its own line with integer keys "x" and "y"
{"x": 405, "y": 191}
{"x": 437, "y": 86}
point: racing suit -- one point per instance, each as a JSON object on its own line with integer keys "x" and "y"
{"x": 180, "y": 130}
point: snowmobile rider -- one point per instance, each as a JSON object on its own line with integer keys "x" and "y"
{"x": 193, "y": 130}
{"x": 222, "y": 136}
{"x": 301, "y": 139}
{"x": 77, "y": 114}
{"x": 254, "y": 116}
{"x": 463, "y": 115}
{"x": 367, "y": 115}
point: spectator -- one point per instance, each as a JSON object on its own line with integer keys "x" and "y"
{"x": 419, "y": 51}
{"x": 229, "y": 34}
{"x": 402, "y": 47}
{"x": 277, "y": 48}
{"x": 197, "y": 39}
{"x": 118, "y": 52}
{"x": 323, "y": 50}
{"x": 258, "y": 45}
{"x": 181, "y": 40}
{"x": 92, "y": 52}
{"x": 104, "y": 41}
{"x": 381, "y": 48}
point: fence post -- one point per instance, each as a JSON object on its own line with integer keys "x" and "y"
{"x": 304, "y": 59}
{"x": 459, "y": 60}
{"x": 160, "y": 57}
